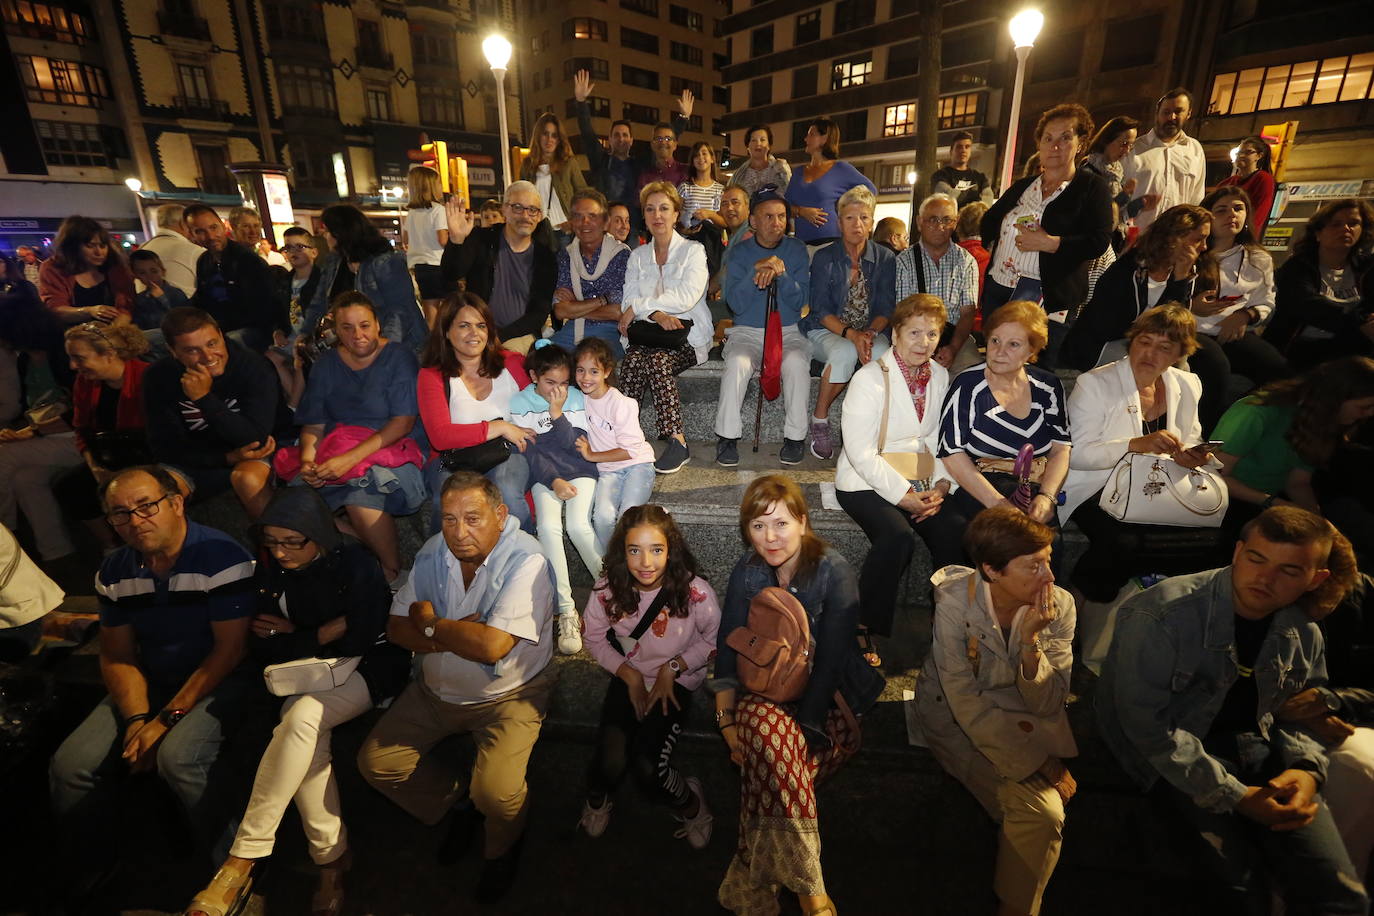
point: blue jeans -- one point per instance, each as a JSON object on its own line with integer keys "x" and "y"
{"x": 617, "y": 491}
{"x": 511, "y": 477}
{"x": 608, "y": 331}
{"x": 88, "y": 772}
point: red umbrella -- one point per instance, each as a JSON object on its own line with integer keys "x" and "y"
{"x": 770, "y": 373}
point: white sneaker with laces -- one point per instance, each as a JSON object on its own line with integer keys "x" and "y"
{"x": 696, "y": 829}
{"x": 594, "y": 820}
{"x": 568, "y": 626}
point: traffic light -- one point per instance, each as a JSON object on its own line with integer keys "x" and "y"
{"x": 436, "y": 154}
{"x": 1280, "y": 139}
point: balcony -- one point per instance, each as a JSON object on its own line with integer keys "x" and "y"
{"x": 210, "y": 109}
{"x": 374, "y": 57}
{"x": 183, "y": 25}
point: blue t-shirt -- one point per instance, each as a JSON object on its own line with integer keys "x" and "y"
{"x": 337, "y": 395}
{"x": 824, "y": 193}
{"x": 974, "y": 423}
{"x": 211, "y": 580}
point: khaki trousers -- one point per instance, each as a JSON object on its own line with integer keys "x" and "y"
{"x": 396, "y": 760}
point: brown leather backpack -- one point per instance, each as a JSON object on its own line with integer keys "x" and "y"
{"x": 775, "y": 647}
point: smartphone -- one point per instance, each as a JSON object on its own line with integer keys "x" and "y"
{"x": 1211, "y": 445}
{"x": 1028, "y": 222}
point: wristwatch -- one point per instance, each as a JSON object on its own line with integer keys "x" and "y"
{"x": 673, "y": 666}
{"x": 170, "y": 717}
{"x": 429, "y": 630}
{"x": 1333, "y": 702}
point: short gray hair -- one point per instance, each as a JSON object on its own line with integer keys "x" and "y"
{"x": 521, "y": 185}
{"x": 470, "y": 480}
{"x": 169, "y": 216}
{"x": 939, "y": 197}
{"x": 858, "y": 195}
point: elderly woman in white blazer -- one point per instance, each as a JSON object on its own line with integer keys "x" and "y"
{"x": 1142, "y": 404}
{"x": 886, "y": 504}
{"x": 991, "y": 694}
{"x": 665, "y": 283}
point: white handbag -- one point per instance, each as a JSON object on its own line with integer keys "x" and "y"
{"x": 308, "y": 675}
{"x": 1146, "y": 489}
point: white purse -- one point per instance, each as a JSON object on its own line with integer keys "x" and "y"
{"x": 1146, "y": 489}
{"x": 308, "y": 675}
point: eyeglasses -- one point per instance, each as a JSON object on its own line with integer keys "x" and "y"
{"x": 288, "y": 543}
{"x": 147, "y": 510}
{"x": 664, "y": 141}
{"x": 521, "y": 210}
{"x": 292, "y": 249}
{"x": 941, "y": 221}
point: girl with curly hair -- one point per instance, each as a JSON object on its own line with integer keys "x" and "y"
{"x": 649, "y": 570}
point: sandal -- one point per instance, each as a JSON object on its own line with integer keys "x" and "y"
{"x": 329, "y": 894}
{"x": 225, "y": 895}
{"x": 866, "y": 649}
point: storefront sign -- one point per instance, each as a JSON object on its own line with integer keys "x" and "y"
{"x": 392, "y": 146}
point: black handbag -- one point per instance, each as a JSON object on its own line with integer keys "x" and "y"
{"x": 119, "y": 449}
{"x": 476, "y": 458}
{"x": 653, "y": 335}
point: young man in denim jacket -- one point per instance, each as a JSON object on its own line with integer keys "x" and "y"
{"x": 1197, "y": 669}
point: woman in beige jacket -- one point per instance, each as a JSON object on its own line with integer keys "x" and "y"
{"x": 991, "y": 694}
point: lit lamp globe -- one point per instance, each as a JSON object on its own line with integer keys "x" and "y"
{"x": 497, "y": 51}
{"x": 133, "y": 184}
{"x": 1025, "y": 26}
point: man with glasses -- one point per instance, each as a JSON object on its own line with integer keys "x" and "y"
{"x": 591, "y": 277}
{"x": 512, "y": 266}
{"x": 175, "y": 606}
{"x": 936, "y": 266}
{"x": 215, "y": 411}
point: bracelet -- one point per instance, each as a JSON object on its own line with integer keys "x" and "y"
{"x": 725, "y": 726}
{"x": 139, "y": 717}
{"x": 722, "y": 713}
{"x": 1033, "y": 645}
{"x": 844, "y": 333}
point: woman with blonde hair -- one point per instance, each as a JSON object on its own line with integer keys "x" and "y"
{"x": 424, "y": 236}
{"x": 550, "y": 167}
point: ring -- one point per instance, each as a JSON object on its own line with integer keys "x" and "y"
{"x": 272, "y": 632}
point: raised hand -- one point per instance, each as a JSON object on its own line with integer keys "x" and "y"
{"x": 686, "y": 102}
{"x": 582, "y": 85}
{"x": 460, "y": 221}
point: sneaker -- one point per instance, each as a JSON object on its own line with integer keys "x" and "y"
{"x": 792, "y": 451}
{"x": 673, "y": 458}
{"x": 821, "y": 445}
{"x": 568, "y": 626}
{"x": 697, "y": 829}
{"x": 594, "y": 820}
{"x": 727, "y": 452}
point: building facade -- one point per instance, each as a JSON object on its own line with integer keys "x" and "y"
{"x": 641, "y": 55}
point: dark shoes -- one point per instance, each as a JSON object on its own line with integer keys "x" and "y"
{"x": 464, "y": 826}
{"x": 792, "y": 451}
{"x": 673, "y": 458}
{"x": 727, "y": 452}
{"x": 498, "y": 874}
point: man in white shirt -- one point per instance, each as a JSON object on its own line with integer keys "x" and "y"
{"x": 178, "y": 253}
{"x": 1169, "y": 167}
{"x": 478, "y": 612}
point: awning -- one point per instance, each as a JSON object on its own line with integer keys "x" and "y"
{"x": 40, "y": 206}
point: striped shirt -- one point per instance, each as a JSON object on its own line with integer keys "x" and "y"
{"x": 954, "y": 278}
{"x": 211, "y": 580}
{"x": 1009, "y": 264}
{"x": 974, "y": 423}
{"x": 695, "y": 197}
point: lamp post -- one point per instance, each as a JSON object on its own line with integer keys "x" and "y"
{"x": 134, "y": 185}
{"x": 497, "y": 51}
{"x": 1024, "y": 27}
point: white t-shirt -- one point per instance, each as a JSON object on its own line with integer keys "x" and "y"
{"x": 553, "y": 207}
{"x": 464, "y": 408}
{"x": 422, "y": 240}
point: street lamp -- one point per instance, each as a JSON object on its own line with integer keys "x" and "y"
{"x": 134, "y": 185}
{"x": 497, "y": 50}
{"x": 1024, "y": 27}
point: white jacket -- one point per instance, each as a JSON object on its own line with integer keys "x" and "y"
{"x": 970, "y": 694}
{"x": 684, "y": 277}
{"x": 859, "y": 466}
{"x": 1104, "y": 414}
{"x": 26, "y": 593}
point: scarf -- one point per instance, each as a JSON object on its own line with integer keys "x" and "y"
{"x": 917, "y": 379}
{"x": 578, "y": 268}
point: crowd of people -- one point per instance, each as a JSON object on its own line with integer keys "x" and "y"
{"x": 494, "y": 371}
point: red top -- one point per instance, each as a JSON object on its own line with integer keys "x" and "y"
{"x": 431, "y": 389}
{"x": 981, "y": 256}
{"x": 57, "y": 288}
{"x": 128, "y": 413}
{"x": 1260, "y": 187}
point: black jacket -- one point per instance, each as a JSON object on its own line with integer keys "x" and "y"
{"x": 1121, "y": 294}
{"x": 1299, "y": 303}
{"x": 1082, "y": 218}
{"x": 252, "y": 301}
{"x": 344, "y": 581}
{"x": 474, "y": 262}
{"x": 281, "y": 282}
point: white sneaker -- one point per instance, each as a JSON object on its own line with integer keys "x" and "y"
{"x": 568, "y": 626}
{"x": 697, "y": 829}
{"x": 594, "y": 820}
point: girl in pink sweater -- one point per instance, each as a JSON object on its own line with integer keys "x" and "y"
{"x": 649, "y": 571}
{"x": 624, "y": 459}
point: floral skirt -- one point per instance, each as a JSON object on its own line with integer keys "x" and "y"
{"x": 779, "y": 837}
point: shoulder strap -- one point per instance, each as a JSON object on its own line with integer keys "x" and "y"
{"x": 650, "y": 613}
{"x": 920, "y": 267}
{"x": 887, "y": 397}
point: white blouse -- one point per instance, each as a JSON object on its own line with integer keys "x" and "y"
{"x": 677, "y": 287}
{"x": 464, "y": 408}
{"x": 1248, "y": 275}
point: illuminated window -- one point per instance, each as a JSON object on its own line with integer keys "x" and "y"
{"x": 899, "y": 120}
{"x": 1335, "y": 79}
{"x": 808, "y": 28}
{"x": 62, "y": 82}
{"x": 964, "y": 110}
{"x": 852, "y": 71}
{"x": 45, "y": 21}
{"x": 378, "y": 101}
{"x": 584, "y": 29}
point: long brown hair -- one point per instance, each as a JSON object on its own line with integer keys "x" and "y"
{"x": 439, "y": 353}
{"x": 617, "y": 586}
{"x": 1317, "y": 397}
{"x": 762, "y": 494}
{"x": 561, "y": 153}
{"x": 1306, "y": 245}
{"x": 713, "y": 173}
{"x": 1155, "y": 248}
{"x": 72, "y": 235}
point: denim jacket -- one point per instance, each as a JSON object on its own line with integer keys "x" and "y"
{"x": 385, "y": 280}
{"x": 830, "y": 283}
{"x": 1171, "y": 663}
{"x": 831, "y": 599}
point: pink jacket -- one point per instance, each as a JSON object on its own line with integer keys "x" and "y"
{"x": 287, "y": 461}
{"x": 693, "y": 637}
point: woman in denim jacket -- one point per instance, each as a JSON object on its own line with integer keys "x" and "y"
{"x": 793, "y": 745}
{"x": 360, "y": 259}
